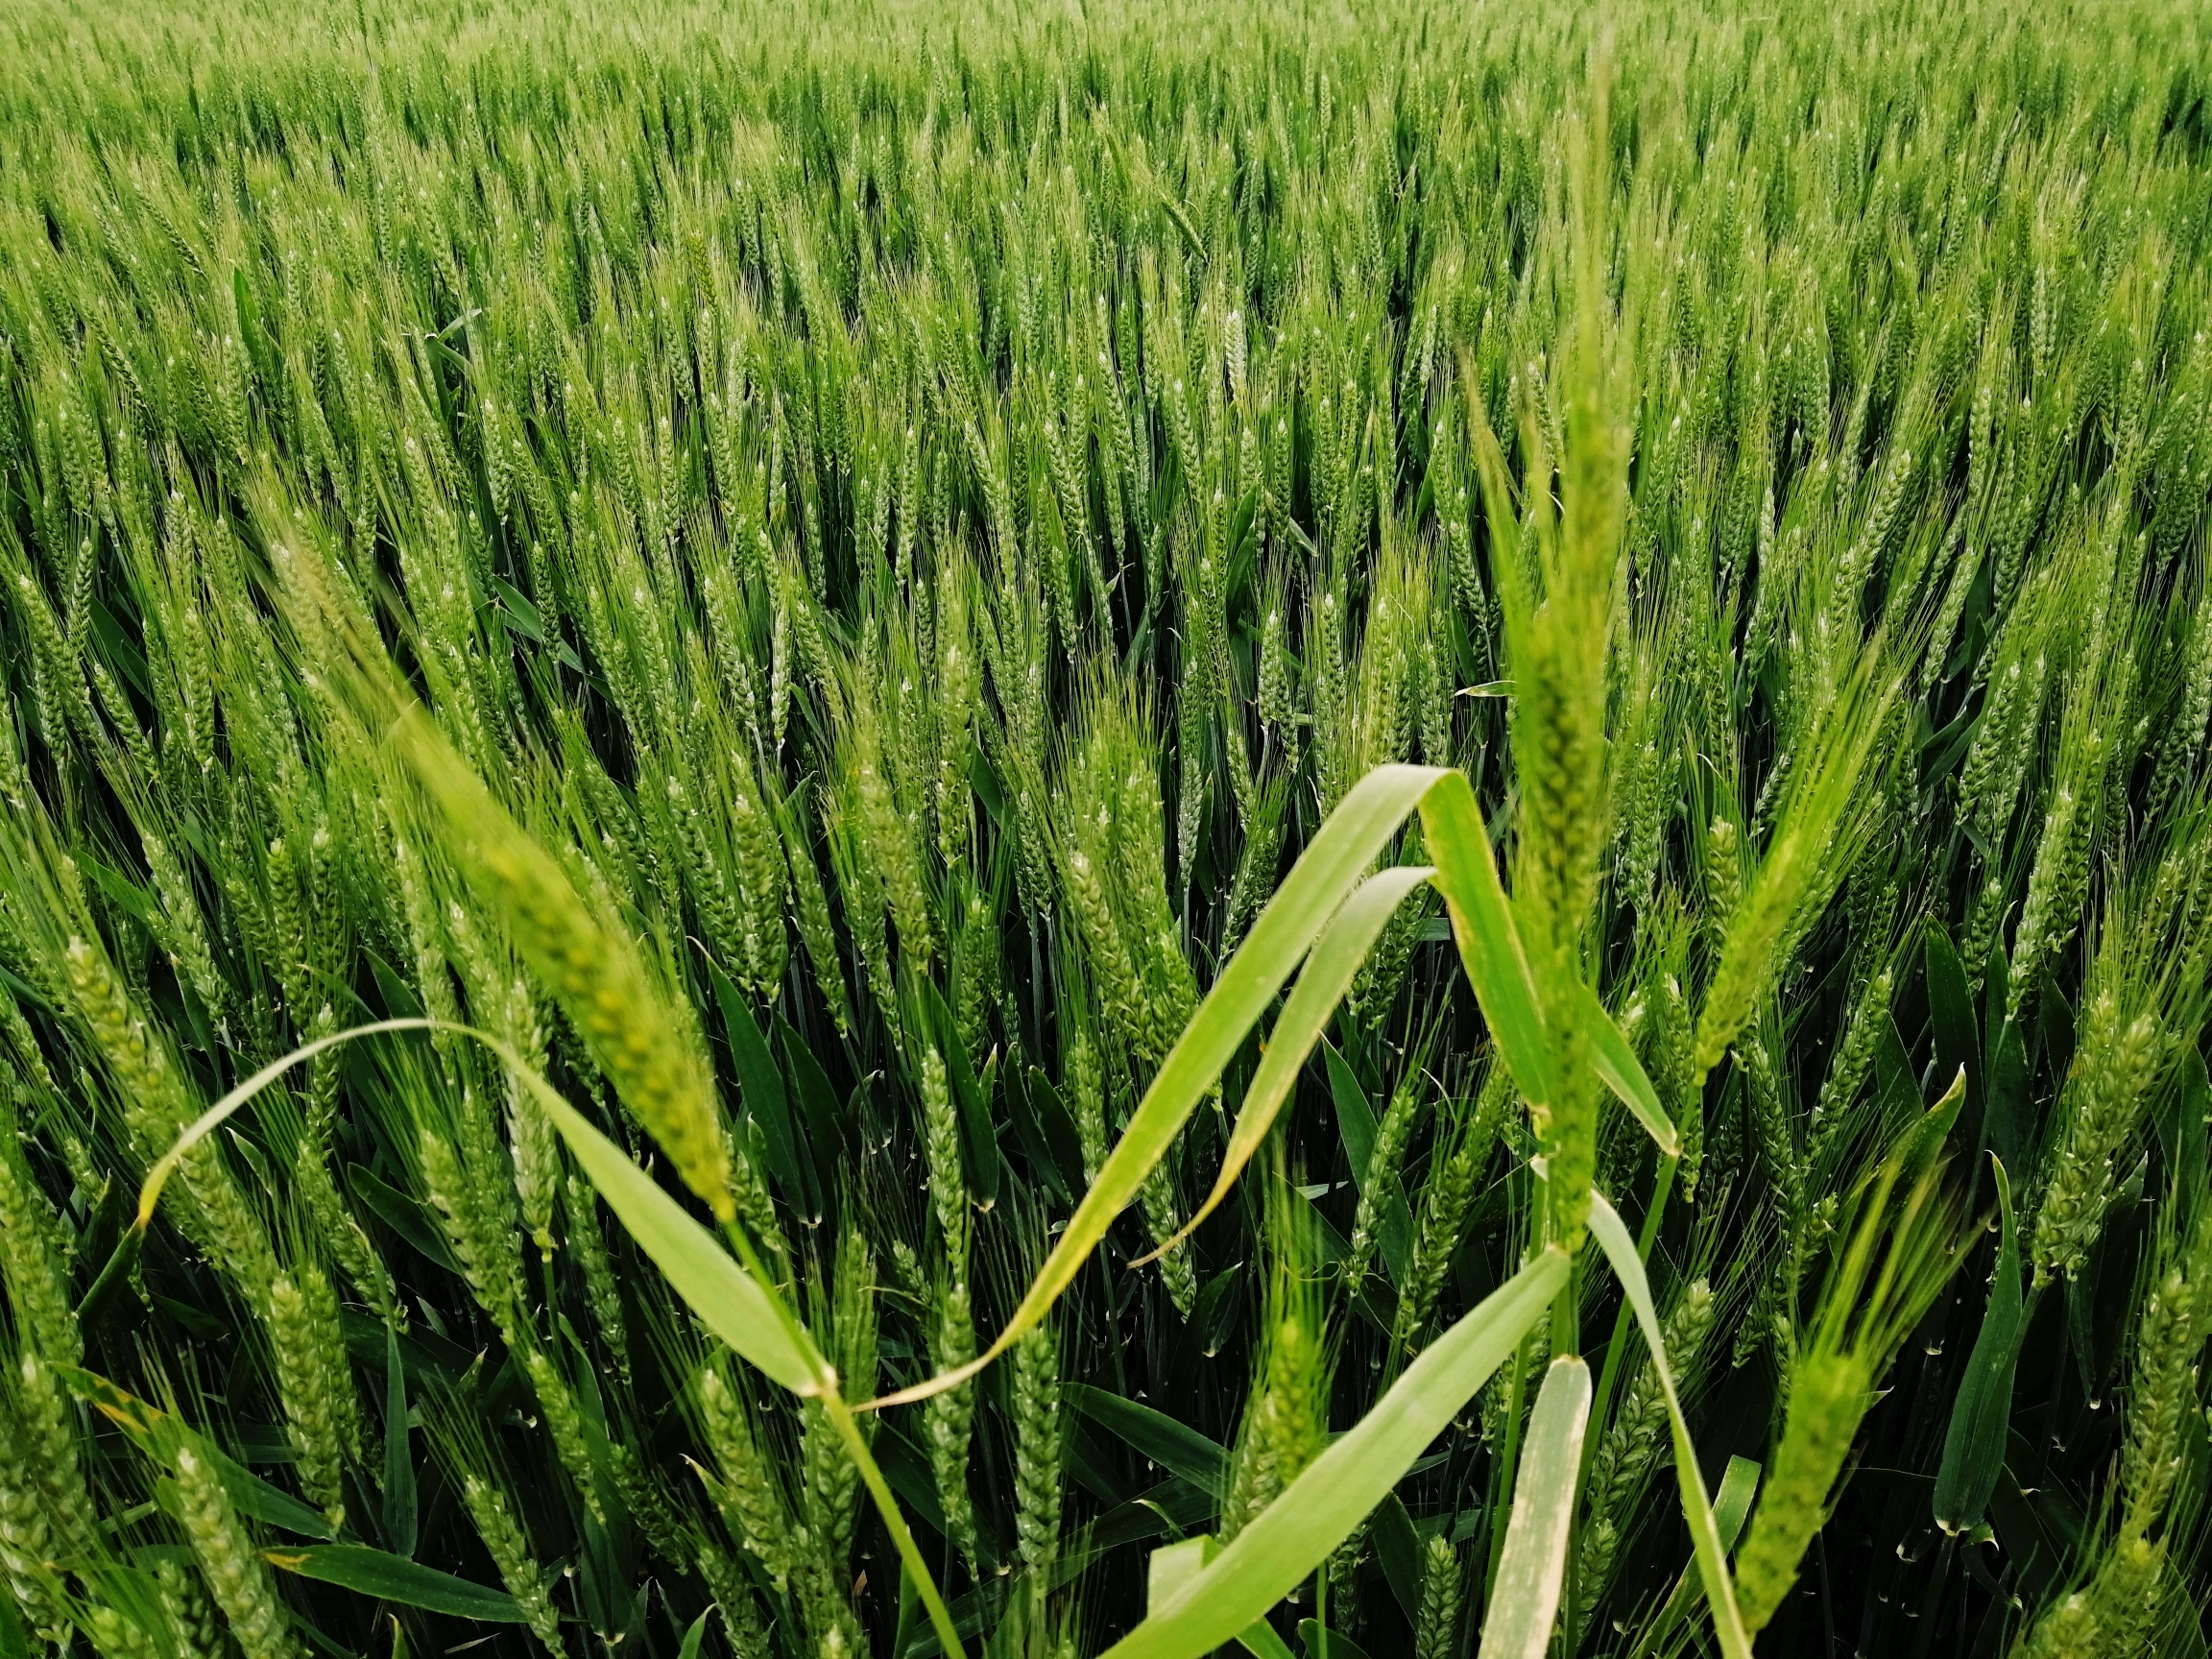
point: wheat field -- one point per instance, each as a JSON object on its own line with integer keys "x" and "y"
{"x": 1331, "y": 830}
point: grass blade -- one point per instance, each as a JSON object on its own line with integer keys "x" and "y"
{"x": 1314, "y": 892}
{"x": 1974, "y": 1443}
{"x": 1295, "y": 1533}
{"x": 1333, "y": 963}
{"x": 1532, "y": 1571}
{"x": 1615, "y": 1064}
{"x": 1612, "y": 1236}
{"x": 1482, "y": 925}
{"x": 392, "y": 1578}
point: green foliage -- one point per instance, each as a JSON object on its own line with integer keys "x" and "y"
{"x": 1118, "y": 720}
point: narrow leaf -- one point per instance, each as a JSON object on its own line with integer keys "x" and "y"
{"x": 1321, "y": 1508}
{"x": 1617, "y": 1066}
{"x": 728, "y": 1300}
{"x": 1489, "y": 943}
{"x": 1531, "y": 1573}
{"x": 391, "y": 1577}
{"x": 1330, "y": 868}
{"x": 399, "y": 1513}
{"x": 1335, "y": 962}
{"x": 1974, "y": 1443}
{"x": 1176, "y": 1447}
{"x": 1612, "y": 1236}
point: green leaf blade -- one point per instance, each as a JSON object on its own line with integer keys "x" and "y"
{"x": 1533, "y": 1571}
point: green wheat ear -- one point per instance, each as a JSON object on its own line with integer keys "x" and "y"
{"x": 632, "y": 1029}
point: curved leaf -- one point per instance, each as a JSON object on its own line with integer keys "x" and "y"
{"x": 1482, "y": 925}
{"x": 1612, "y": 1236}
{"x": 1315, "y": 889}
{"x": 1333, "y": 963}
{"x": 1617, "y": 1066}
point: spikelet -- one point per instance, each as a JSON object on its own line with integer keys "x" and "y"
{"x": 634, "y": 1034}
{"x": 1037, "y": 1432}
{"x": 832, "y": 1477}
{"x": 1380, "y": 1179}
{"x": 948, "y": 1419}
{"x": 733, "y": 1597}
{"x": 510, "y": 1551}
{"x": 2115, "y": 1062}
{"x": 314, "y": 1382}
{"x": 1444, "y": 1205}
{"x": 484, "y": 1248}
{"x": 564, "y": 1421}
{"x": 240, "y": 1582}
{"x": 32, "y": 1266}
{"x": 27, "y": 1555}
{"x": 749, "y": 1494}
{"x": 190, "y": 1617}
{"x": 1634, "y": 1443}
{"x": 1828, "y": 1395}
{"x": 1439, "y": 1617}
{"x": 601, "y": 1292}
{"x": 1286, "y": 1421}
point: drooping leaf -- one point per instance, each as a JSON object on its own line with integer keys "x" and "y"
{"x": 1617, "y": 1066}
{"x": 1613, "y": 1237}
{"x": 1331, "y": 967}
{"x": 1325, "y": 874}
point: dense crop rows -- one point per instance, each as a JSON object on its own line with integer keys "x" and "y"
{"x": 810, "y": 578}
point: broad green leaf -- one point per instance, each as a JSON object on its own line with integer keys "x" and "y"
{"x": 2006, "y": 1112}
{"x": 392, "y": 1578}
{"x": 1974, "y": 1443}
{"x": 1732, "y": 1504}
{"x": 1524, "y": 1599}
{"x": 1951, "y": 1018}
{"x": 1617, "y": 1066}
{"x": 1489, "y": 943}
{"x": 694, "y": 1636}
{"x": 1923, "y": 1139}
{"x": 1355, "y": 1116}
{"x": 2181, "y": 1125}
{"x": 1332, "y": 865}
{"x": 1333, "y": 963}
{"x": 1322, "y": 1507}
{"x": 1172, "y": 1566}
{"x": 1612, "y": 1236}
